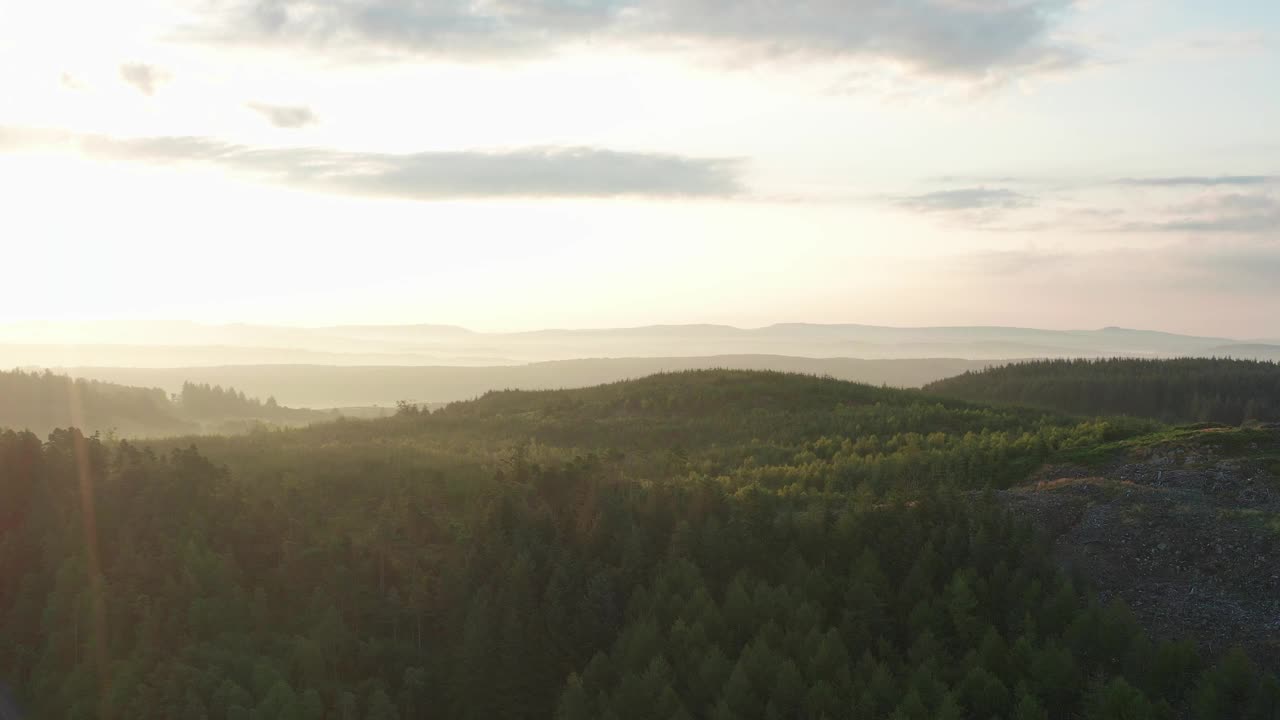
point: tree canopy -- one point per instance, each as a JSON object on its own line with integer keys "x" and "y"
{"x": 1176, "y": 391}
{"x": 712, "y": 544}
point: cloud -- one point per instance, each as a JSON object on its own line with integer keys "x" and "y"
{"x": 967, "y": 199}
{"x": 1251, "y": 270}
{"x": 949, "y": 37}
{"x": 284, "y": 116}
{"x": 964, "y": 179}
{"x": 1204, "y": 181}
{"x": 1208, "y": 205}
{"x": 1009, "y": 262}
{"x": 1247, "y": 268}
{"x": 1231, "y": 213}
{"x": 143, "y": 77}
{"x": 525, "y": 172}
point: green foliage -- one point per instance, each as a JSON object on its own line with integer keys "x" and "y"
{"x": 44, "y": 401}
{"x": 1175, "y": 391}
{"x": 1118, "y": 700}
{"x": 539, "y": 555}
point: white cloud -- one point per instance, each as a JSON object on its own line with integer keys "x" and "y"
{"x": 285, "y": 116}
{"x": 963, "y": 199}
{"x": 951, "y": 37}
{"x": 145, "y": 78}
{"x": 525, "y": 172}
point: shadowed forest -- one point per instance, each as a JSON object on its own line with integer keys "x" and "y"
{"x": 1182, "y": 390}
{"x": 640, "y": 360}
{"x": 43, "y": 401}
{"x": 719, "y": 544}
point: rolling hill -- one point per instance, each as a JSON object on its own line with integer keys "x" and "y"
{"x": 1179, "y": 390}
{"x": 44, "y": 401}
{"x": 722, "y": 544}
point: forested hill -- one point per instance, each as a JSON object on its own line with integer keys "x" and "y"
{"x": 1179, "y": 390}
{"x": 44, "y": 401}
{"x": 815, "y": 430}
{"x": 728, "y": 545}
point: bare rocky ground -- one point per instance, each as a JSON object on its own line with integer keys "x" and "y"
{"x": 1186, "y": 531}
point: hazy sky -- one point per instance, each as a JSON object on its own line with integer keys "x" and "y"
{"x": 511, "y": 164}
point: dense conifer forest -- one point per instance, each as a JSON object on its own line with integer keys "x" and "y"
{"x": 710, "y": 544}
{"x": 43, "y": 401}
{"x": 1177, "y": 391}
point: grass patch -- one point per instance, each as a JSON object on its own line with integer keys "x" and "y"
{"x": 1259, "y": 519}
{"x": 1220, "y": 440}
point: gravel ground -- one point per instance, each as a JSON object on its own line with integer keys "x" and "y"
{"x": 1189, "y": 540}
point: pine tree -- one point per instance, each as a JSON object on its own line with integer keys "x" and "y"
{"x": 1118, "y": 700}
{"x": 983, "y": 693}
{"x": 413, "y": 692}
{"x": 962, "y": 606}
{"x": 1029, "y": 708}
{"x": 575, "y": 703}
{"x": 281, "y": 702}
{"x": 1266, "y": 700}
{"x": 379, "y": 705}
{"x": 312, "y": 707}
{"x": 911, "y": 708}
{"x": 949, "y": 709}
{"x": 738, "y": 696}
{"x": 788, "y": 689}
{"x": 1225, "y": 690}
{"x": 1055, "y": 676}
{"x": 713, "y": 674}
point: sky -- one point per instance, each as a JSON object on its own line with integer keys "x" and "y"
{"x": 511, "y": 165}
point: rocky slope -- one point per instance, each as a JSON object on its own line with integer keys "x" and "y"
{"x": 1185, "y": 527}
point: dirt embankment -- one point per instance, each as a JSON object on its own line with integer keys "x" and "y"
{"x": 1187, "y": 533}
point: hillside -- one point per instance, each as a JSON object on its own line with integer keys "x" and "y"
{"x": 760, "y": 426}
{"x": 1178, "y": 391}
{"x": 1183, "y": 525}
{"x": 707, "y": 544}
{"x": 43, "y": 401}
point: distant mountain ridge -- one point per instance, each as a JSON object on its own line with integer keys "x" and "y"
{"x": 174, "y": 344}
{"x": 322, "y": 386}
